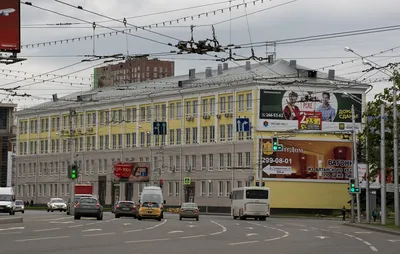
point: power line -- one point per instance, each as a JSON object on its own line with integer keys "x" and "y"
{"x": 88, "y": 22}
{"x": 113, "y": 19}
{"x": 141, "y": 16}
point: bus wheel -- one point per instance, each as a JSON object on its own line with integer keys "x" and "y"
{"x": 263, "y": 218}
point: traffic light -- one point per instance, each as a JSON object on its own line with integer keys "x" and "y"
{"x": 73, "y": 172}
{"x": 352, "y": 187}
{"x": 161, "y": 183}
{"x": 276, "y": 147}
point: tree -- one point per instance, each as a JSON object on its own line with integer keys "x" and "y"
{"x": 372, "y": 128}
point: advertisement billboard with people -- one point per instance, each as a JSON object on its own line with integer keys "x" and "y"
{"x": 308, "y": 111}
{"x": 307, "y": 160}
{"x": 10, "y": 36}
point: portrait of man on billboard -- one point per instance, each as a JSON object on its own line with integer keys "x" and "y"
{"x": 328, "y": 112}
{"x": 291, "y": 111}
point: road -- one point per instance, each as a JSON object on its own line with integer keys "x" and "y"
{"x": 43, "y": 232}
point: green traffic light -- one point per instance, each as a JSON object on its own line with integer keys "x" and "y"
{"x": 275, "y": 147}
{"x": 352, "y": 189}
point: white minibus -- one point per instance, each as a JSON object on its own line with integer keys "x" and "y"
{"x": 250, "y": 202}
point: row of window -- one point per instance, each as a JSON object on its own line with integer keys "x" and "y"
{"x": 44, "y": 190}
{"x": 225, "y": 161}
{"x": 145, "y": 113}
{"x": 145, "y": 139}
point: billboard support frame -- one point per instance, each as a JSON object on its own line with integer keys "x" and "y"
{"x": 11, "y": 59}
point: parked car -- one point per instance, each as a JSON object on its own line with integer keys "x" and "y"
{"x": 19, "y": 206}
{"x": 189, "y": 210}
{"x": 88, "y": 207}
{"x": 125, "y": 208}
{"x": 56, "y": 204}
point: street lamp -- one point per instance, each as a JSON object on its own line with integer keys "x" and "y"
{"x": 395, "y": 147}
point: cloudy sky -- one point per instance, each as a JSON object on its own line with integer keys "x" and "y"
{"x": 288, "y": 19}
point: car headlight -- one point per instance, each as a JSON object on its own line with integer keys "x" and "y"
{"x": 8, "y": 205}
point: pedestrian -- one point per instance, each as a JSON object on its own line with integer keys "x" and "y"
{"x": 344, "y": 212}
{"x": 374, "y": 215}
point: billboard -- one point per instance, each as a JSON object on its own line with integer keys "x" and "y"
{"x": 132, "y": 171}
{"x": 282, "y": 110}
{"x": 10, "y": 27}
{"x": 307, "y": 160}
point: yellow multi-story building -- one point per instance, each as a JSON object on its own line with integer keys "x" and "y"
{"x": 215, "y": 124}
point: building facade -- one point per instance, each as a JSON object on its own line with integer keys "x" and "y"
{"x": 133, "y": 70}
{"x": 202, "y": 140}
{"x": 7, "y": 134}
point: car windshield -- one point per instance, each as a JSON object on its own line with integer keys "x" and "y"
{"x": 153, "y": 198}
{"x": 5, "y": 198}
{"x": 19, "y": 202}
{"x": 57, "y": 201}
{"x": 189, "y": 205}
{"x": 88, "y": 201}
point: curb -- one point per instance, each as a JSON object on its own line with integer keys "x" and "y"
{"x": 11, "y": 220}
{"x": 377, "y": 229}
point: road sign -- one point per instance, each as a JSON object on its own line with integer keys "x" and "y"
{"x": 242, "y": 124}
{"x": 159, "y": 128}
{"x": 187, "y": 181}
{"x": 390, "y": 187}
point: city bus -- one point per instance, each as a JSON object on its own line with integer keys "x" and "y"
{"x": 250, "y": 202}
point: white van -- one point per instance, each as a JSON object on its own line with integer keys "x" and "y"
{"x": 7, "y": 200}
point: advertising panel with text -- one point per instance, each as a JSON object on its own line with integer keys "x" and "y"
{"x": 307, "y": 159}
{"x": 282, "y": 110}
{"x": 10, "y": 27}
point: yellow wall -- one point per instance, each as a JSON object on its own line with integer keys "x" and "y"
{"x": 308, "y": 195}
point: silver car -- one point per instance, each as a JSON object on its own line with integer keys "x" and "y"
{"x": 88, "y": 207}
{"x": 56, "y": 204}
{"x": 19, "y": 206}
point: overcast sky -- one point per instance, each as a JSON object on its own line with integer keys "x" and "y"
{"x": 297, "y": 19}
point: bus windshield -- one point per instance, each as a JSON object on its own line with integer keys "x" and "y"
{"x": 154, "y": 198}
{"x": 256, "y": 194}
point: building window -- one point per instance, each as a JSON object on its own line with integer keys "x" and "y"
{"x": 220, "y": 188}
{"x": 210, "y": 188}
{"x": 221, "y": 161}
{"x": 222, "y": 132}
{"x": 204, "y": 134}
{"x": 248, "y": 159}
{"x": 210, "y": 162}
{"x": 241, "y": 103}
{"x": 249, "y": 102}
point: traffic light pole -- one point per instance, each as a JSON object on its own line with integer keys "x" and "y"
{"x": 383, "y": 167}
{"x": 72, "y": 147}
{"x": 355, "y": 164}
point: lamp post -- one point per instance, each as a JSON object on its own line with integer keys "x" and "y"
{"x": 395, "y": 144}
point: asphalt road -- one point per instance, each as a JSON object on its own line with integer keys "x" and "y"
{"x": 43, "y": 232}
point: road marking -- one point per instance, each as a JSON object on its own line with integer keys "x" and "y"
{"x": 141, "y": 229}
{"x": 192, "y": 226}
{"x": 393, "y": 241}
{"x": 279, "y": 225}
{"x": 126, "y": 224}
{"x": 192, "y": 236}
{"x": 249, "y": 228}
{"x": 10, "y": 233}
{"x": 322, "y": 237}
{"x": 303, "y": 229}
{"x": 92, "y": 229}
{"x": 286, "y": 234}
{"x": 367, "y": 243}
{"x": 76, "y": 226}
{"x": 334, "y": 227}
{"x": 174, "y": 232}
{"x": 61, "y": 222}
{"x": 47, "y": 229}
{"x": 42, "y": 239}
{"x": 373, "y": 248}
{"x": 101, "y": 234}
{"x": 49, "y": 219}
{"x": 244, "y": 243}
{"x": 251, "y": 234}
{"x": 149, "y": 240}
{"x": 363, "y": 232}
{"x": 220, "y": 232}
{"x": 237, "y": 224}
{"x": 6, "y": 229}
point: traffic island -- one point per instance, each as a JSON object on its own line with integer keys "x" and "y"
{"x": 10, "y": 220}
{"x": 376, "y": 228}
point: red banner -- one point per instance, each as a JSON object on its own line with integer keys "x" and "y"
{"x": 132, "y": 171}
{"x": 310, "y": 120}
{"x": 10, "y": 26}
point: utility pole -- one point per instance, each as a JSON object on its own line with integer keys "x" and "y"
{"x": 355, "y": 163}
{"x": 383, "y": 167}
{"x": 367, "y": 197}
{"x": 72, "y": 113}
{"x": 396, "y": 159}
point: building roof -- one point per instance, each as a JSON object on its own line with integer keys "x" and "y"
{"x": 279, "y": 70}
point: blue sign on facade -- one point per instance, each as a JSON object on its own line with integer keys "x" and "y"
{"x": 159, "y": 128}
{"x": 242, "y": 124}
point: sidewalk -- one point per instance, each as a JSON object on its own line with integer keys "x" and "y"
{"x": 374, "y": 227}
